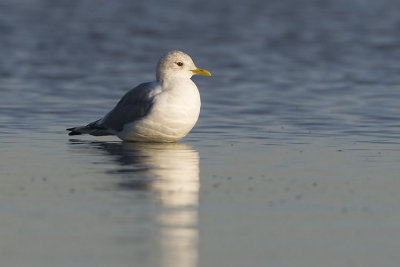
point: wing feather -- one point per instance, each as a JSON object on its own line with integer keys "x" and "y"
{"x": 133, "y": 106}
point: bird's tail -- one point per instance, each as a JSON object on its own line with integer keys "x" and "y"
{"x": 92, "y": 129}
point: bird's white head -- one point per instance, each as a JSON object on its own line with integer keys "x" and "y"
{"x": 177, "y": 65}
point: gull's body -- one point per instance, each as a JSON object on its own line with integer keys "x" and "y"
{"x": 161, "y": 111}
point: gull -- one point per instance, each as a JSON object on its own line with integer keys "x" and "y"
{"x": 164, "y": 110}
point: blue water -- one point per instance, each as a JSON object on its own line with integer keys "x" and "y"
{"x": 294, "y": 160}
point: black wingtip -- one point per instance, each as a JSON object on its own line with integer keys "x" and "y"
{"x": 74, "y": 133}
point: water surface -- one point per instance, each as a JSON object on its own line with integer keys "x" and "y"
{"x": 294, "y": 160}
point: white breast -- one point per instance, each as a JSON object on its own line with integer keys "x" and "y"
{"x": 174, "y": 113}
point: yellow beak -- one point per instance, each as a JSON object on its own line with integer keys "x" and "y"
{"x": 201, "y": 72}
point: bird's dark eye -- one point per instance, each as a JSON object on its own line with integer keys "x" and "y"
{"x": 180, "y": 64}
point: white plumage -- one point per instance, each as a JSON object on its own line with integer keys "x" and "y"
{"x": 161, "y": 111}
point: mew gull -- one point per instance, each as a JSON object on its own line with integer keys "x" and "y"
{"x": 161, "y": 111}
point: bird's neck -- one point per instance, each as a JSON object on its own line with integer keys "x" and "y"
{"x": 173, "y": 83}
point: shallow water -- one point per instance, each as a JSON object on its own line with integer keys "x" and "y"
{"x": 294, "y": 160}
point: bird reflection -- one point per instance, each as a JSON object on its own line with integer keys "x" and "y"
{"x": 171, "y": 172}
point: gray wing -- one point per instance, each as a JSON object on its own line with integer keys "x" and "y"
{"x": 133, "y": 105}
